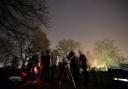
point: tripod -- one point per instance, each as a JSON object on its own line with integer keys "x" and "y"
{"x": 69, "y": 73}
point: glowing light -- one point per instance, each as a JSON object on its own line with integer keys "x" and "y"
{"x": 115, "y": 78}
{"x": 98, "y": 65}
{"x": 35, "y": 69}
{"x": 121, "y": 79}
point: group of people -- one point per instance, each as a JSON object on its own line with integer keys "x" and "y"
{"x": 48, "y": 61}
{"x": 77, "y": 67}
{"x": 44, "y": 65}
{"x": 48, "y": 65}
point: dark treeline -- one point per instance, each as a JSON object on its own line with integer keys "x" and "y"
{"x": 20, "y": 27}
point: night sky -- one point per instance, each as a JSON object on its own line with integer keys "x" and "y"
{"x": 89, "y": 21}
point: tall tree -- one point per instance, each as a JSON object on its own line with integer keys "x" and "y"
{"x": 108, "y": 53}
{"x": 66, "y": 45}
{"x": 40, "y": 42}
{"x": 18, "y": 22}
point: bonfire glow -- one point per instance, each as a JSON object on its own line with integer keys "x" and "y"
{"x": 35, "y": 70}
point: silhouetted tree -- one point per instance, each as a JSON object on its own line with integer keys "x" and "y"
{"x": 108, "y": 54}
{"x": 40, "y": 42}
{"x": 66, "y": 45}
{"x": 19, "y": 21}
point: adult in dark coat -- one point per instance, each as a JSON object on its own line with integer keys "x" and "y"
{"x": 74, "y": 66}
{"x": 33, "y": 61}
{"x": 45, "y": 62}
{"x": 43, "y": 66}
{"x": 53, "y": 64}
{"x": 83, "y": 65}
{"x": 47, "y": 57}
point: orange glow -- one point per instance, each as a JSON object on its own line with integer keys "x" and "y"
{"x": 35, "y": 70}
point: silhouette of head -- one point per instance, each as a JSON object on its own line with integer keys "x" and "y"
{"x": 80, "y": 52}
{"x": 72, "y": 53}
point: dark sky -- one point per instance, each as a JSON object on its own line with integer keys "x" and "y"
{"x": 88, "y": 21}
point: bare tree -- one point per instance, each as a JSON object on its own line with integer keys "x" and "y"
{"x": 18, "y": 22}
{"x": 40, "y": 42}
{"x": 66, "y": 45}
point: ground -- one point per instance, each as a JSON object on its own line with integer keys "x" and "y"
{"x": 68, "y": 85}
{"x": 96, "y": 81}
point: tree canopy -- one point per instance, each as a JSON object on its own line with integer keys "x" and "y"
{"x": 19, "y": 21}
{"x": 40, "y": 42}
{"x": 66, "y": 45}
{"x": 108, "y": 54}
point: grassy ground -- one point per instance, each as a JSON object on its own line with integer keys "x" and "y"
{"x": 99, "y": 80}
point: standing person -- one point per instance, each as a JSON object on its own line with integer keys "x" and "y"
{"x": 83, "y": 65}
{"x": 53, "y": 63}
{"x": 43, "y": 66}
{"x": 62, "y": 71}
{"x": 33, "y": 61}
{"x": 74, "y": 67}
{"x": 45, "y": 63}
{"x": 77, "y": 71}
{"x": 68, "y": 69}
{"x": 47, "y": 58}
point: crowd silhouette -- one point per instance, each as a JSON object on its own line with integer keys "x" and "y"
{"x": 45, "y": 67}
{"x": 48, "y": 70}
